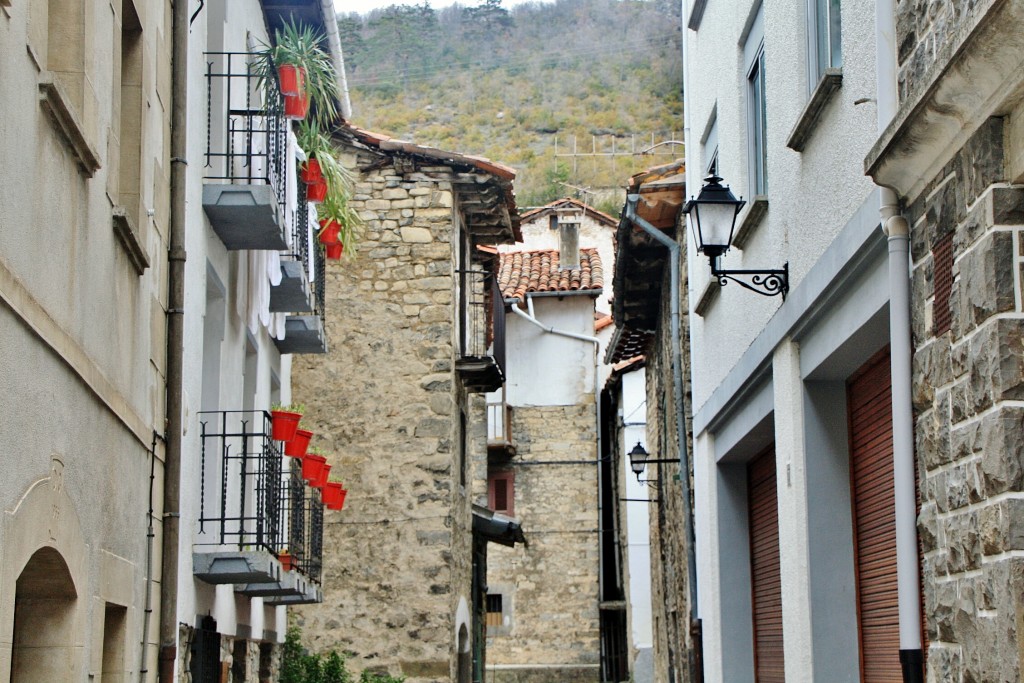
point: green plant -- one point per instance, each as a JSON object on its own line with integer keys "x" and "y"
{"x": 289, "y": 408}
{"x": 299, "y": 45}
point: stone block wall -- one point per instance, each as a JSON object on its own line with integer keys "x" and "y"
{"x": 968, "y": 382}
{"x": 550, "y": 586}
{"x": 928, "y": 34}
{"x": 385, "y": 403}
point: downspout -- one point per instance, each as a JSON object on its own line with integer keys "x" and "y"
{"x": 897, "y": 230}
{"x": 675, "y": 331}
{"x": 597, "y": 423}
{"x": 175, "y": 348}
{"x": 147, "y": 612}
{"x": 337, "y": 56}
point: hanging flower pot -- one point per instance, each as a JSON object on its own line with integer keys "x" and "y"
{"x": 296, "y": 106}
{"x": 312, "y": 464}
{"x": 333, "y": 495}
{"x": 296, "y": 448}
{"x": 334, "y": 251}
{"x": 311, "y": 172}
{"x": 291, "y": 78}
{"x": 283, "y": 424}
{"x": 329, "y": 231}
{"x": 321, "y": 478}
{"x": 316, "y": 192}
{"x": 287, "y": 561}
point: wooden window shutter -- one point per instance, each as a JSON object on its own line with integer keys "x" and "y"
{"x": 501, "y": 491}
{"x": 765, "y": 574}
{"x": 869, "y": 401}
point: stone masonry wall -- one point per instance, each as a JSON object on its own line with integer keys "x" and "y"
{"x": 669, "y": 594}
{"x": 550, "y": 584}
{"x": 968, "y": 387}
{"x": 384, "y": 404}
{"x": 928, "y": 34}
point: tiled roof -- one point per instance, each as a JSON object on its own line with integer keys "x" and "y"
{"x": 537, "y": 271}
{"x": 569, "y": 203}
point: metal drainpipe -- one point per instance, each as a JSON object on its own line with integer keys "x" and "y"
{"x": 175, "y": 350}
{"x": 908, "y": 577}
{"x": 597, "y": 417}
{"x": 675, "y": 330}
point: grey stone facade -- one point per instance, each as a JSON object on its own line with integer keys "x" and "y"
{"x": 389, "y": 407}
{"x": 968, "y": 381}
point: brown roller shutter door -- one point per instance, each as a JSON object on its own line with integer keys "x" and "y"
{"x": 869, "y": 402}
{"x": 766, "y": 581}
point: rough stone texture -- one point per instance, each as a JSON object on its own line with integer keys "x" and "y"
{"x": 552, "y": 581}
{"x": 673, "y": 644}
{"x": 385, "y": 403}
{"x": 967, "y": 387}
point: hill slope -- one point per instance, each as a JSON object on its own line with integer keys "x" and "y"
{"x": 517, "y": 85}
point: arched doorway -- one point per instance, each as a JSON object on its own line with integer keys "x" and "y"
{"x": 44, "y": 617}
{"x": 465, "y": 656}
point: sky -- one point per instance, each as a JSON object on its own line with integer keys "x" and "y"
{"x": 364, "y": 6}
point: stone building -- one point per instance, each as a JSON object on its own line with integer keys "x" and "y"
{"x": 417, "y": 332}
{"x": 650, "y": 276}
{"x": 84, "y": 224}
{"x": 854, "y": 450}
{"x": 543, "y": 598}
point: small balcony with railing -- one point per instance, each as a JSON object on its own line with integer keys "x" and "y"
{"x": 255, "y": 528}
{"x": 499, "y": 426}
{"x": 247, "y": 160}
{"x": 481, "y": 360}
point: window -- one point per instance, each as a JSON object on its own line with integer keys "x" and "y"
{"x": 709, "y": 147}
{"x": 825, "y": 48}
{"x": 494, "y": 615}
{"x": 501, "y": 492}
{"x": 126, "y": 120}
{"x": 754, "y": 65}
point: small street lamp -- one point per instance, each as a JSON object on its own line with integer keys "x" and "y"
{"x": 638, "y": 459}
{"x": 712, "y": 220}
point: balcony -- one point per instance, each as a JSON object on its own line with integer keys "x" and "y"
{"x": 481, "y": 361}
{"x": 301, "y": 291}
{"x": 251, "y": 509}
{"x": 247, "y": 159}
{"x": 499, "y": 427}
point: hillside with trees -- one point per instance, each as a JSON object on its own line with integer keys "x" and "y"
{"x": 520, "y": 85}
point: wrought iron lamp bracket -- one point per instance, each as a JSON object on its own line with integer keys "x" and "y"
{"x": 764, "y": 282}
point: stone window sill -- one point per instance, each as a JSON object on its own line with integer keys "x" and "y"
{"x": 57, "y": 105}
{"x": 707, "y": 297}
{"x": 696, "y": 14}
{"x": 128, "y": 237}
{"x": 751, "y": 218}
{"x": 830, "y": 82}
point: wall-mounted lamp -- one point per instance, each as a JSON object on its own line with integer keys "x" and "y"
{"x": 712, "y": 219}
{"x": 638, "y": 459}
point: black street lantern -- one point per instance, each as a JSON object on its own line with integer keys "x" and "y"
{"x": 713, "y": 217}
{"x": 713, "y": 220}
{"x": 638, "y": 459}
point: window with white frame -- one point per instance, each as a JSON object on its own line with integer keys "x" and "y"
{"x": 825, "y": 45}
{"x": 709, "y": 148}
{"x": 754, "y": 60}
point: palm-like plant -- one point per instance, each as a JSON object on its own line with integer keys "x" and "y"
{"x": 299, "y": 45}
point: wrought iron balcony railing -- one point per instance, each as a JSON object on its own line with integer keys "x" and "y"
{"x": 481, "y": 362}
{"x": 247, "y": 160}
{"x": 305, "y": 525}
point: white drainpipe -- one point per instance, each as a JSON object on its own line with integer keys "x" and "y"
{"x": 897, "y": 230}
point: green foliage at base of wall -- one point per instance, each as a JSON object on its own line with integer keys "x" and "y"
{"x": 300, "y": 666}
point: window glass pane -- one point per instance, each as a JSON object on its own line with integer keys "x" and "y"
{"x": 821, "y": 39}
{"x": 758, "y": 128}
{"x": 835, "y": 36}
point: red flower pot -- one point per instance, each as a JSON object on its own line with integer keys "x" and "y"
{"x": 333, "y": 495}
{"x": 283, "y": 424}
{"x": 316, "y": 193}
{"x": 287, "y": 561}
{"x": 329, "y": 229}
{"x": 333, "y": 251}
{"x": 296, "y": 448}
{"x": 321, "y": 478}
{"x": 312, "y": 464}
{"x": 291, "y": 78}
{"x": 296, "y": 106}
{"x": 311, "y": 172}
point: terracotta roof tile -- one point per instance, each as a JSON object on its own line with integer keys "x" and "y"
{"x": 537, "y": 271}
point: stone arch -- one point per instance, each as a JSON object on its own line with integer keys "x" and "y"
{"x": 45, "y": 606}
{"x": 44, "y": 549}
